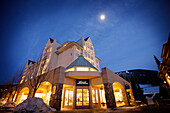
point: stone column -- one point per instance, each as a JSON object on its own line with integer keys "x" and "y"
{"x": 74, "y": 97}
{"x": 110, "y": 98}
{"x": 125, "y": 97}
{"x": 55, "y": 100}
{"x": 90, "y": 97}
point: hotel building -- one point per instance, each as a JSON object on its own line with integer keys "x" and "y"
{"x": 73, "y": 78}
{"x": 164, "y": 67}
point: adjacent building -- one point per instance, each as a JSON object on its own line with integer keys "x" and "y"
{"x": 165, "y": 65}
{"x": 73, "y": 78}
{"x": 148, "y": 80}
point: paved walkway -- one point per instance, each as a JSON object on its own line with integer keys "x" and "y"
{"x": 133, "y": 109}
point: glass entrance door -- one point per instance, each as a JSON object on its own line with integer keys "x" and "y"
{"x": 82, "y": 99}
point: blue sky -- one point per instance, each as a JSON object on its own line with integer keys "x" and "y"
{"x": 133, "y": 31}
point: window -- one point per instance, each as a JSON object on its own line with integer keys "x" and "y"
{"x": 95, "y": 96}
{"x": 50, "y": 48}
{"x": 77, "y": 54}
{"x": 82, "y": 69}
{"x": 85, "y": 54}
{"x": 92, "y": 57}
{"x": 70, "y": 54}
{"x": 88, "y": 55}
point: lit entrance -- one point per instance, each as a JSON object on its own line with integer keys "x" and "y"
{"x": 118, "y": 93}
{"x": 68, "y": 99}
{"x": 82, "y": 98}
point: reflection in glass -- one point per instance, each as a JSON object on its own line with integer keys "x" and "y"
{"x": 79, "y": 97}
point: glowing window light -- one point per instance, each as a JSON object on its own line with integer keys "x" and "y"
{"x": 47, "y": 60}
{"x": 50, "y": 48}
{"x": 15, "y": 96}
{"x": 91, "y": 69}
{"x": 102, "y": 96}
{"x": 68, "y": 97}
{"x": 95, "y": 96}
{"x": 39, "y": 95}
{"x": 82, "y": 69}
{"x": 118, "y": 96}
{"x": 70, "y": 69}
{"x": 21, "y": 81}
{"x": 23, "y": 97}
{"x": 85, "y": 47}
{"x": 54, "y": 88}
{"x": 47, "y": 100}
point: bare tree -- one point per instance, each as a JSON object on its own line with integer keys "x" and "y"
{"x": 16, "y": 80}
{"x": 36, "y": 82}
{"x": 36, "y": 77}
{"x": 13, "y": 84}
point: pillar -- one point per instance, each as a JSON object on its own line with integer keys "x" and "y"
{"x": 90, "y": 97}
{"x": 110, "y": 99}
{"x": 56, "y": 99}
{"x": 74, "y": 97}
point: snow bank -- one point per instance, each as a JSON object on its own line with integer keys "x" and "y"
{"x": 9, "y": 104}
{"x": 33, "y": 105}
{"x": 2, "y": 101}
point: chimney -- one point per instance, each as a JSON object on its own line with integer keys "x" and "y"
{"x": 82, "y": 38}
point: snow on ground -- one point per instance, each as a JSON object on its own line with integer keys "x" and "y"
{"x": 2, "y": 101}
{"x": 9, "y": 104}
{"x": 33, "y": 105}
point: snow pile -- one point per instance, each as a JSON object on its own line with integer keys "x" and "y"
{"x": 33, "y": 105}
{"x": 9, "y": 104}
{"x": 2, "y": 101}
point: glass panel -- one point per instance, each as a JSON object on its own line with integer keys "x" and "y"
{"x": 85, "y": 97}
{"x": 79, "y": 97}
{"x": 102, "y": 96}
{"x": 68, "y": 97}
{"x": 95, "y": 96}
{"x": 82, "y": 69}
{"x": 118, "y": 97}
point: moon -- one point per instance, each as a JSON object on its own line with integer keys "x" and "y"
{"x": 102, "y": 17}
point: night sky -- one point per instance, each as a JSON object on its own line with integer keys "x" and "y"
{"x": 133, "y": 31}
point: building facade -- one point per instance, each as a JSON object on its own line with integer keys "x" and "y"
{"x": 72, "y": 78}
{"x": 165, "y": 65}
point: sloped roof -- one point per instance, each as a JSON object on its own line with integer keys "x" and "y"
{"x": 81, "y": 62}
{"x": 51, "y": 40}
{"x": 29, "y": 61}
{"x": 86, "y": 38}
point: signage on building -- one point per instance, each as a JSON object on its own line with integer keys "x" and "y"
{"x": 82, "y": 82}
